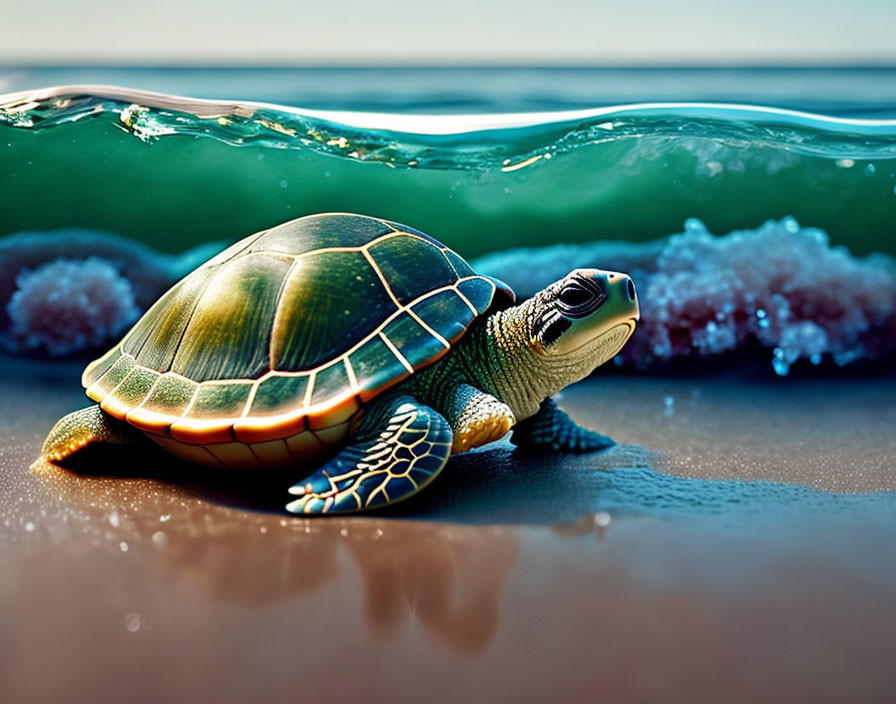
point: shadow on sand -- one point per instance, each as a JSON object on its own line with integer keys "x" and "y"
{"x": 502, "y": 485}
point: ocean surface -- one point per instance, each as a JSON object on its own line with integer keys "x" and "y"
{"x": 490, "y": 160}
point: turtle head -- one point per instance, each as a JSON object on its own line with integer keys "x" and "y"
{"x": 587, "y": 315}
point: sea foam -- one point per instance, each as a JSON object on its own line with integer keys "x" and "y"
{"x": 75, "y": 290}
{"x": 781, "y": 285}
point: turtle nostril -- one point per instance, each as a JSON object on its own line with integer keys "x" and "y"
{"x": 630, "y": 289}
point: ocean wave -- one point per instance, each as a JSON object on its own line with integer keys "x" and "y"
{"x": 174, "y": 172}
{"x": 509, "y": 141}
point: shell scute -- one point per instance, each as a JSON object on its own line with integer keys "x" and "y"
{"x": 333, "y": 395}
{"x": 459, "y": 265}
{"x": 113, "y": 376}
{"x": 221, "y": 399}
{"x": 446, "y": 313}
{"x": 398, "y": 227}
{"x": 309, "y": 234}
{"x": 166, "y": 402}
{"x": 171, "y": 395}
{"x": 478, "y": 291}
{"x": 130, "y": 392}
{"x": 375, "y": 366}
{"x": 229, "y": 330}
{"x": 330, "y": 301}
{"x": 410, "y": 266}
{"x": 278, "y": 395}
{"x": 413, "y": 341}
{"x": 154, "y": 340}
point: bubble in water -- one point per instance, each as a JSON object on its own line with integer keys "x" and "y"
{"x": 694, "y": 225}
{"x": 779, "y": 363}
{"x": 29, "y": 526}
{"x": 114, "y": 520}
{"x": 602, "y": 519}
{"x": 669, "y": 403}
{"x": 870, "y": 169}
{"x": 124, "y": 546}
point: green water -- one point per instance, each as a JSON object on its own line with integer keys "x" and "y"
{"x": 172, "y": 179}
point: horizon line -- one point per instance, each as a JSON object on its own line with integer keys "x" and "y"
{"x": 433, "y": 65}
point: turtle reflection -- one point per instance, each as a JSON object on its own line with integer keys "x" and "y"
{"x": 447, "y": 577}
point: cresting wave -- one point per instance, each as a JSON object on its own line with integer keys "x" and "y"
{"x": 507, "y": 141}
{"x": 139, "y": 163}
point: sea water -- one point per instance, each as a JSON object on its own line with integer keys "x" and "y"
{"x": 802, "y": 163}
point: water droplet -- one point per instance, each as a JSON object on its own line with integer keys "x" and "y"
{"x": 602, "y": 519}
{"x": 114, "y": 521}
{"x": 165, "y": 518}
{"x": 132, "y": 621}
{"x": 124, "y": 546}
{"x": 815, "y": 359}
{"x": 29, "y": 526}
{"x": 159, "y": 538}
{"x": 791, "y": 225}
{"x": 845, "y": 163}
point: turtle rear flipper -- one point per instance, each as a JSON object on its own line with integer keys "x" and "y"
{"x": 80, "y": 428}
{"x": 552, "y": 430}
{"x": 399, "y": 447}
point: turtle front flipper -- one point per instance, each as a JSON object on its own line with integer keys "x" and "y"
{"x": 398, "y": 447}
{"x": 478, "y": 418}
{"x": 552, "y": 429}
{"x": 80, "y": 428}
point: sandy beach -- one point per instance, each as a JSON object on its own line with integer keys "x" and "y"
{"x": 736, "y": 546}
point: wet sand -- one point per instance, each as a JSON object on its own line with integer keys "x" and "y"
{"x": 737, "y": 546}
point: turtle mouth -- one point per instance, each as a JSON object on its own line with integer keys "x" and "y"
{"x": 608, "y": 344}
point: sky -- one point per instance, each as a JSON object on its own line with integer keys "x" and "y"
{"x": 265, "y": 32}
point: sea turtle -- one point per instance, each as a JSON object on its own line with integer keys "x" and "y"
{"x": 357, "y": 350}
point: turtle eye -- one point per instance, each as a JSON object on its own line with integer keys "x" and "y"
{"x": 579, "y": 298}
{"x": 574, "y": 296}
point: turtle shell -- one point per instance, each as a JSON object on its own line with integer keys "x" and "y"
{"x": 289, "y": 330}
